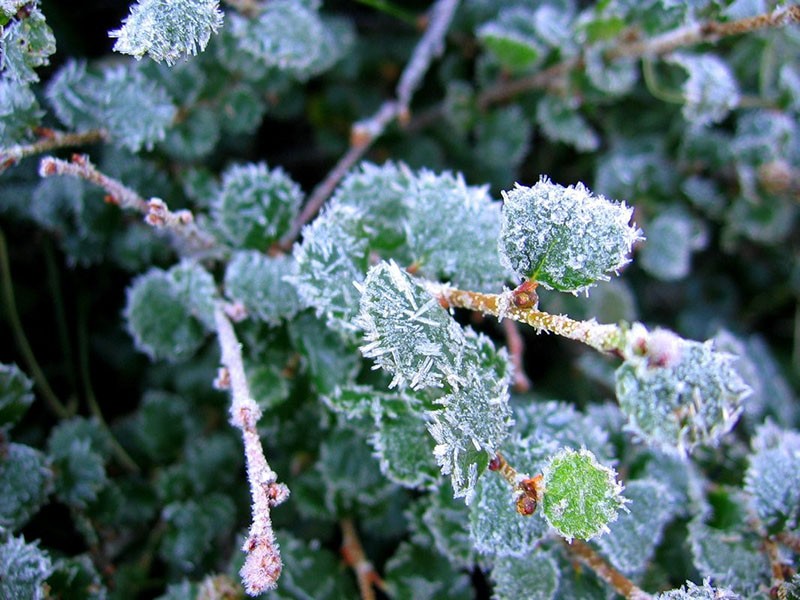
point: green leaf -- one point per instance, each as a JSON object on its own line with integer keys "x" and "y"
{"x": 25, "y": 482}
{"x": 534, "y": 577}
{"x": 561, "y": 122}
{"x": 162, "y": 425}
{"x": 691, "y": 591}
{"x": 19, "y": 112}
{"x": 167, "y": 31}
{"x": 134, "y": 110}
{"x": 672, "y": 237}
{"x": 581, "y": 497}
{"x": 513, "y": 39}
{"x": 678, "y": 393}
{"x": 565, "y": 238}
{"x": 256, "y": 205}
{"x": 711, "y": 90}
{"x": 78, "y": 450}
{"x": 417, "y": 572}
{"x": 25, "y": 44}
{"x": 15, "y": 394}
{"x": 444, "y": 519}
{"x": 76, "y": 577}
{"x": 257, "y": 281}
{"x": 25, "y": 568}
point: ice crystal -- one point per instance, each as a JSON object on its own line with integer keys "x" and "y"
{"x": 565, "y": 238}
{"x": 168, "y": 29}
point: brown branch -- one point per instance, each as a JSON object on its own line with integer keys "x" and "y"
{"x": 263, "y": 565}
{"x": 155, "y": 210}
{"x": 587, "y": 555}
{"x": 354, "y": 556}
{"x": 790, "y": 540}
{"x": 527, "y": 491}
{"x": 516, "y": 349}
{"x": 364, "y": 133}
{"x": 49, "y": 140}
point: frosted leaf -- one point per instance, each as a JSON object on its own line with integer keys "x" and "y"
{"x": 683, "y": 482}
{"x": 310, "y": 570}
{"x": 692, "y": 591}
{"x": 380, "y": 195}
{"x": 417, "y": 572}
{"x": 25, "y": 481}
{"x": 513, "y": 39}
{"x": 634, "y": 536}
{"x": 441, "y": 519}
{"x": 19, "y": 112}
{"x": 332, "y": 255}
{"x": 407, "y": 332}
{"x": 78, "y": 449}
{"x": 773, "y": 477}
{"x": 167, "y": 29}
{"x": 678, "y": 393}
{"x": 257, "y": 281}
{"x": 191, "y": 528}
{"x": 290, "y": 36}
{"x": 134, "y": 110}
{"x": 730, "y": 558}
{"x": 534, "y": 577}
{"x": 764, "y": 136}
{"x": 496, "y": 528}
{"x": 672, "y": 237}
{"x": 581, "y": 497}
{"x": 15, "y": 394}
{"x": 615, "y": 77}
{"x": 502, "y": 141}
{"x": 710, "y": 92}
{"x": 404, "y": 448}
{"x": 452, "y": 231}
{"x": 25, "y": 570}
{"x": 256, "y": 205}
{"x": 789, "y": 83}
{"x": 561, "y": 122}
{"x": 195, "y": 289}
{"x": 25, "y": 44}
{"x": 565, "y": 238}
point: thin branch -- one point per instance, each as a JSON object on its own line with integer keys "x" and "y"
{"x": 50, "y": 140}
{"x": 605, "y": 338}
{"x": 262, "y": 567}
{"x": 605, "y": 571}
{"x": 364, "y": 133}
{"x": 516, "y": 349}
{"x": 249, "y": 8}
{"x": 156, "y": 212}
{"x": 527, "y": 491}
{"x": 21, "y": 339}
{"x": 790, "y": 540}
{"x": 355, "y": 557}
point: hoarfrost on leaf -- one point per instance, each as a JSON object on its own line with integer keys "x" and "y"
{"x": 533, "y": 577}
{"x": 167, "y": 30}
{"x": 710, "y": 92}
{"x": 678, "y": 393}
{"x": 565, "y": 238}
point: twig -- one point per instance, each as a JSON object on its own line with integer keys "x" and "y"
{"x": 354, "y": 556}
{"x": 527, "y": 490}
{"x": 790, "y": 540}
{"x": 157, "y": 214}
{"x": 516, "y": 349}
{"x": 605, "y": 571}
{"x": 364, "y": 133}
{"x": 50, "y": 140}
{"x": 605, "y": 338}
{"x": 24, "y": 346}
{"x": 249, "y": 8}
{"x": 262, "y": 567}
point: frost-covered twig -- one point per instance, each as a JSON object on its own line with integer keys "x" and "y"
{"x": 516, "y": 349}
{"x": 354, "y": 556}
{"x": 246, "y": 7}
{"x": 365, "y": 132}
{"x": 587, "y": 555}
{"x": 605, "y": 338}
{"x": 263, "y": 565}
{"x": 49, "y": 140}
{"x": 155, "y": 210}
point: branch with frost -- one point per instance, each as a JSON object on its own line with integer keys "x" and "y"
{"x": 589, "y": 557}
{"x": 516, "y": 351}
{"x": 364, "y": 133}
{"x": 156, "y": 212}
{"x": 602, "y": 337}
{"x": 49, "y": 140}
{"x": 263, "y": 565}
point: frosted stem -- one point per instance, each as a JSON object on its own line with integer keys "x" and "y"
{"x": 49, "y": 140}
{"x": 624, "y": 586}
{"x": 155, "y": 210}
{"x": 365, "y": 132}
{"x": 263, "y": 565}
{"x": 605, "y": 338}
{"x": 516, "y": 349}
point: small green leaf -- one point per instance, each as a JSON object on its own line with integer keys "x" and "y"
{"x": 25, "y": 44}
{"x": 534, "y": 577}
{"x": 25, "y": 568}
{"x": 15, "y": 394}
{"x": 25, "y": 481}
{"x": 417, "y": 572}
{"x": 78, "y": 450}
{"x": 711, "y": 91}
{"x": 581, "y": 497}
{"x": 513, "y": 39}
{"x": 257, "y": 281}
{"x": 561, "y": 122}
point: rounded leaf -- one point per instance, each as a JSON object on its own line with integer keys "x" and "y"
{"x": 24, "y": 484}
{"x": 15, "y": 394}
{"x": 258, "y": 281}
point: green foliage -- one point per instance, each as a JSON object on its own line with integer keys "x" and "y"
{"x": 25, "y": 480}
{"x": 25, "y": 568}
{"x": 78, "y": 450}
{"x": 581, "y": 497}
{"x": 26, "y": 43}
{"x": 15, "y": 394}
{"x": 257, "y": 281}
{"x": 167, "y": 30}
{"x": 565, "y": 238}
{"x": 417, "y": 572}
{"x": 535, "y": 577}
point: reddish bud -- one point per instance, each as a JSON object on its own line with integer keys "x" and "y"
{"x": 496, "y": 463}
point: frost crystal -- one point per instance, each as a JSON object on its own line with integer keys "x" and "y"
{"x": 678, "y": 393}
{"x": 167, "y": 29}
{"x": 710, "y": 91}
{"x": 565, "y": 238}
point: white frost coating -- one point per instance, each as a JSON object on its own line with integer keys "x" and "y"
{"x": 710, "y": 92}
{"x": 168, "y": 30}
